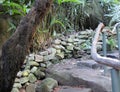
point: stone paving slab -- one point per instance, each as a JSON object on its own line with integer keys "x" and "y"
{"x": 72, "y": 73}
{"x": 75, "y": 90}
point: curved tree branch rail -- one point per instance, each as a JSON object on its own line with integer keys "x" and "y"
{"x": 16, "y": 47}
{"x": 115, "y": 63}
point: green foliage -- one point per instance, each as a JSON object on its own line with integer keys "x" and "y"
{"x": 12, "y": 26}
{"x": 114, "y": 14}
{"x": 1, "y": 1}
{"x": 86, "y": 45}
{"x": 71, "y": 1}
{"x": 111, "y": 42}
{"x": 67, "y": 12}
{"x": 56, "y": 21}
{"x": 113, "y": 11}
{"x": 65, "y": 15}
{"x": 13, "y": 8}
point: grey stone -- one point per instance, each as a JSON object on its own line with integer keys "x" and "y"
{"x": 43, "y": 69}
{"x": 32, "y": 78}
{"x": 31, "y": 88}
{"x": 84, "y": 33}
{"x": 40, "y": 74}
{"x": 69, "y": 55}
{"x": 76, "y": 40}
{"x": 27, "y": 66}
{"x": 23, "y": 80}
{"x": 68, "y": 51}
{"x": 57, "y": 47}
{"x": 70, "y": 47}
{"x": 15, "y": 90}
{"x": 63, "y": 38}
{"x": 25, "y": 73}
{"x": 38, "y": 58}
{"x": 17, "y": 80}
{"x": 70, "y": 40}
{"x": 77, "y": 48}
{"x": 57, "y": 60}
{"x": 47, "y": 85}
{"x": 72, "y": 36}
{"x": 19, "y": 74}
{"x": 81, "y": 41}
{"x": 34, "y": 69}
{"x": 62, "y": 47}
{"x": 17, "y": 85}
{"x": 75, "y": 43}
{"x": 49, "y": 57}
{"x": 31, "y": 57}
{"x": 89, "y": 31}
{"x": 27, "y": 83}
{"x": 33, "y": 63}
{"x": 43, "y": 65}
{"x": 83, "y": 36}
{"x": 44, "y": 53}
{"x": 48, "y": 63}
{"x": 63, "y": 43}
{"x": 69, "y": 44}
{"x": 51, "y": 50}
{"x": 57, "y": 41}
{"x": 60, "y": 55}
{"x": 58, "y": 51}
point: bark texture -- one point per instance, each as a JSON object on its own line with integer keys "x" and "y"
{"x": 115, "y": 63}
{"x": 16, "y": 47}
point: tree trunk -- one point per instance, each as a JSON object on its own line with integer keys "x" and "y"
{"x": 16, "y": 47}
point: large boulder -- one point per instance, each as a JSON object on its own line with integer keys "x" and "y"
{"x": 30, "y": 88}
{"x": 47, "y": 85}
{"x": 71, "y": 73}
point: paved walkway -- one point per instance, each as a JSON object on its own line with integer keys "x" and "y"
{"x": 74, "y": 72}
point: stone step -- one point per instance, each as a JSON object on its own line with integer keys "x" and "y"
{"x": 72, "y": 89}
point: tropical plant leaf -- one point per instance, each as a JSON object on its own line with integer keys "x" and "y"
{"x": 72, "y": 1}
{"x": 1, "y": 1}
{"x": 14, "y": 8}
{"x": 114, "y": 14}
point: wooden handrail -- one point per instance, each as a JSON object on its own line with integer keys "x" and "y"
{"x": 115, "y": 63}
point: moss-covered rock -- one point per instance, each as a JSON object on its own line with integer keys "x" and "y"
{"x": 47, "y": 85}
